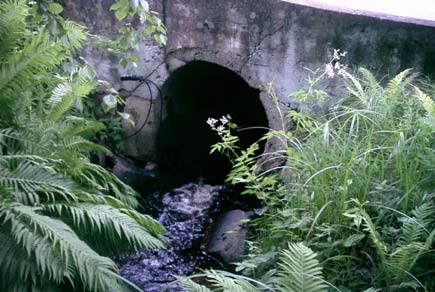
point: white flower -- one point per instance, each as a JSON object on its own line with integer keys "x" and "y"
{"x": 212, "y": 122}
{"x": 329, "y": 70}
{"x": 336, "y": 55}
{"x": 223, "y": 120}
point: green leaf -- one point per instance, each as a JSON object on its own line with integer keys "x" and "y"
{"x": 134, "y": 3}
{"x": 124, "y": 115}
{"x": 121, "y": 14}
{"x": 160, "y": 39}
{"x": 300, "y": 271}
{"x": 127, "y": 117}
{"x": 109, "y": 102}
{"x": 123, "y": 62}
{"x": 55, "y": 8}
{"x": 89, "y": 72}
{"x": 118, "y": 5}
{"x": 122, "y": 7}
{"x": 353, "y": 239}
{"x": 144, "y": 5}
{"x": 149, "y": 30}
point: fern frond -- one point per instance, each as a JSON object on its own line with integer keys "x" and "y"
{"x": 18, "y": 71}
{"x": 59, "y": 92}
{"x": 15, "y": 263}
{"x": 58, "y": 251}
{"x": 147, "y": 222}
{"x": 10, "y": 139}
{"x": 397, "y": 85}
{"x": 221, "y": 281}
{"x": 300, "y": 271}
{"x": 191, "y": 286}
{"x": 105, "y": 221}
{"x": 56, "y": 208}
{"x": 413, "y": 229}
{"x": 403, "y": 259}
{"x": 75, "y": 33}
{"x": 374, "y": 235}
{"x": 81, "y": 127}
{"x": 229, "y": 282}
{"x": 36, "y": 244}
{"x": 427, "y": 102}
{"x": 12, "y": 25}
{"x": 95, "y": 176}
{"x": 412, "y": 241}
{"x": 78, "y": 144}
{"x": 36, "y": 181}
{"x": 65, "y": 94}
{"x": 369, "y": 78}
{"x": 355, "y": 87}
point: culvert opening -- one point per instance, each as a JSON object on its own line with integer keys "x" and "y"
{"x": 195, "y": 92}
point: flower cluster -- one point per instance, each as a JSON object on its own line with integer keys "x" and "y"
{"x": 219, "y": 125}
{"x": 334, "y": 66}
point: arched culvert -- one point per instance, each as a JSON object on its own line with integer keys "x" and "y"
{"x": 195, "y": 92}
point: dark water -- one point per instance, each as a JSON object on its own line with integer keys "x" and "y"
{"x": 185, "y": 212}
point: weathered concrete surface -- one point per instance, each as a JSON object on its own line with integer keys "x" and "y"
{"x": 419, "y": 12}
{"x": 96, "y": 15}
{"x": 275, "y": 44}
{"x": 264, "y": 41}
{"x": 140, "y": 138}
{"x": 99, "y": 20}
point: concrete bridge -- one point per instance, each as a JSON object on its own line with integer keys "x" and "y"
{"x": 245, "y": 44}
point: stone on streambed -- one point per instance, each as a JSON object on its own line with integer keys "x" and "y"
{"x": 143, "y": 180}
{"x": 228, "y": 238}
{"x": 185, "y": 213}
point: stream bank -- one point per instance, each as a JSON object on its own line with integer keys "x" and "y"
{"x": 197, "y": 217}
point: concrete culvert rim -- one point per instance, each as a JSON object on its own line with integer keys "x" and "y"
{"x": 193, "y": 93}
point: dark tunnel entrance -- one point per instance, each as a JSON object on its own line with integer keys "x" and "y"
{"x": 195, "y": 92}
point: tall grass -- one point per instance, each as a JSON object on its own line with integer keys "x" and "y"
{"x": 352, "y": 182}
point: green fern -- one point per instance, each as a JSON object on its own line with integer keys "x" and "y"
{"x": 18, "y": 70}
{"x": 416, "y": 226}
{"x": 299, "y": 270}
{"x": 415, "y": 238}
{"x": 12, "y": 25}
{"x": 219, "y": 281}
{"x": 397, "y": 85}
{"x": 426, "y": 100}
{"x": 192, "y": 286}
{"x": 65, "y": 95}
{"x": 60, "y": 215}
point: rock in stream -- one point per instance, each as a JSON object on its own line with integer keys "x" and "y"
{"x": 185, "y": 212}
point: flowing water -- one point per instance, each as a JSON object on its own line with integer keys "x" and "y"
{"x": 185, "y": 212}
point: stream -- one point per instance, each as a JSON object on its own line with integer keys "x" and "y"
{"x": 186, "y": 212}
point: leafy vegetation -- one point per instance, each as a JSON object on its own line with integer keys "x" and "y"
{"x": 60, "y": 215}
{"x": 299, "y": 270}
{"x": 48, "y": 14}
{"x": 130, "y": 37}
{"x": 355, "y": 185}
{"x": 348, "y": 200}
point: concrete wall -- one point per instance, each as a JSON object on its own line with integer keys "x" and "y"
{"x": 263, "y": 41}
